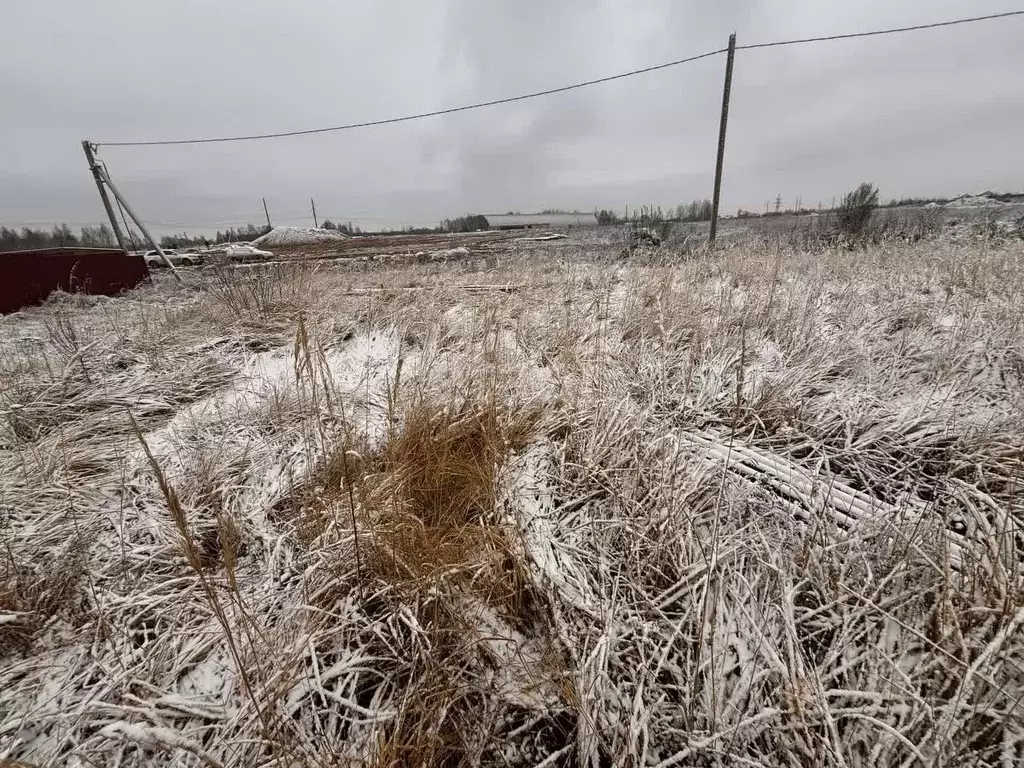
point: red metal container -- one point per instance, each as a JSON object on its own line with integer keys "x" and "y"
{"x": 28, "y": 277}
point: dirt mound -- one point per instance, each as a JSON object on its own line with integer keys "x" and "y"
{"x": 279, "y": 236}
{"x": 973, "y": 201}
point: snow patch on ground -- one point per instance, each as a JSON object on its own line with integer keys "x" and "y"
{"x": 530, "y": 502}
{"x": 268, "y": 464}
{"x": 360, "y": 369}
{"x": 442, "y": 255}
{"x": 364, "y": 371}
{"x": 518, "y": 660}
{"x": 262, "y": 374}
{"x": 542, "y": 238}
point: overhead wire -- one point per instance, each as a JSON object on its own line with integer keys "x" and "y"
{"x": 417, "y": 116}
{"x": 875, "y": 33}
{"x": 560, "y": 89}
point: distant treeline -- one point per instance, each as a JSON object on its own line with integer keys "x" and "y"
{"x": 902, "y": 202}
{"x": 698, "y": 210}
{"x": 230, "y": 235}
{"x": 471, "y": 222}
{"x": 61, "y": 236}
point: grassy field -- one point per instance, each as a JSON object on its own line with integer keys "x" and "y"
{"x": 533, "y": 505}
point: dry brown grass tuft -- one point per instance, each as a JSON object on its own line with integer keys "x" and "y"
{"x": 433, "y": 496}
{"x": 427, "y": 499}
{"x": 437, "y": 541}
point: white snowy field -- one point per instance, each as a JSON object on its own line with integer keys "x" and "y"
{"x": 753, "y": 508}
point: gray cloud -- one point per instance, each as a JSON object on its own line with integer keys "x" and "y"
{"x": 931, "y": 112}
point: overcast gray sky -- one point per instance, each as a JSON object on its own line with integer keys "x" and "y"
{"x": 935, "y": 112}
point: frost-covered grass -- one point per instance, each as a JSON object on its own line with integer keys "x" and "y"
{"x": 752, "y": 508}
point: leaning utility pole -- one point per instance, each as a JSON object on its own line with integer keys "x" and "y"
{"x": 87, "y": 147}
{"x": 313, "y": 206}
{"x": 721, "y": 137}
{"x": 269, "y": 225}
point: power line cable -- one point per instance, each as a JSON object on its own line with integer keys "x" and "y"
{"x": 550, "y": 91}
{"x": 417, "y": 116}
{"x": 877, "y": 32}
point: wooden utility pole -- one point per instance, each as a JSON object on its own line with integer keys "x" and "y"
{"x": 87, "y": 147}
{"x": 726, "y": 91}
{"x": 267, "y": 213}
{"x": 313, "y": 206}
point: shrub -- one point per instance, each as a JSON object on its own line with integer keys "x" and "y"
{"x": 856, "y": 210}
{"x": 644, "y": 237}
{"x": 650, "y": 226}
{"x": 471, "y": 222}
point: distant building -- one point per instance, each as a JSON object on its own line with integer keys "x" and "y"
{"x": 541, "y": 220}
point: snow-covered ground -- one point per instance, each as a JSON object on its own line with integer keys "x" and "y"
{"x": 748, "y": 508}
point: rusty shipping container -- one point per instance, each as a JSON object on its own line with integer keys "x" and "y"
{"x": 28, "y": 277}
